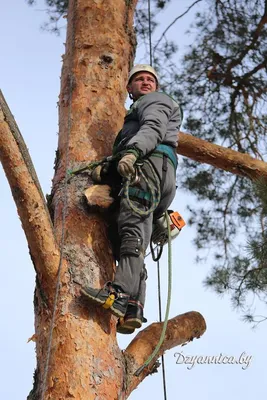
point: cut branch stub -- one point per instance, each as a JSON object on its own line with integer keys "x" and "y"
{"x": 180, "y": 330}
{"x": 99, "y": 195}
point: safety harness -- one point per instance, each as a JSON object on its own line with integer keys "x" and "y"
{"x": 168, "y": 154}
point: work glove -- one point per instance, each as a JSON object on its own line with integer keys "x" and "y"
{"x": 126, "y": 165}
{"x": 98, "y": 172}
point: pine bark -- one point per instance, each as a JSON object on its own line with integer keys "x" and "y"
{"x": 32, "y": 208}
{"x": 85, "y": 361}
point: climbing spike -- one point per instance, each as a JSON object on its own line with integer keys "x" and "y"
{"x": 110, "y": 300}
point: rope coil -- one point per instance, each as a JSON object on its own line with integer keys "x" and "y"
{"x": 155, "y": 192}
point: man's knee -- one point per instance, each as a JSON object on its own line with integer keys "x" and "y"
{"x": 131, "y": 246}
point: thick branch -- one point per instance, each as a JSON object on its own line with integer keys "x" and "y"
{"x": 180, "y": 330}
{"x": 221, "y": 157}
{"x": 28, "y": 196}
{"x": 199, "y": 150}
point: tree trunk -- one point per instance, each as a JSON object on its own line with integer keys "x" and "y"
{"x": 99, "y": 49}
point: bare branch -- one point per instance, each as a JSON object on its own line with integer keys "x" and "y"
{"x": 173, "y": 22}
{"x": 180, "y": 330}
{"x": 250, "y": 46}
{"x": 258, "y": 67}
{"x": 28, "y": 197}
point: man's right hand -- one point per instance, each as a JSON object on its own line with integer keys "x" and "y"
{"x": 126, "y": 165}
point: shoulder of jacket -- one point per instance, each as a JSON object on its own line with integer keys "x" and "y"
{"x": 174, "y": 102}
{"x": 158, "y": 96}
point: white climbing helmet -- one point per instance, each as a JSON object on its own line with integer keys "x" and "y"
{"x": 143, "y": 68}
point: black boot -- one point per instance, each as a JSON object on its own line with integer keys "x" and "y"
{"x": 109, "y": 298}
{"x": 133, "y": 318}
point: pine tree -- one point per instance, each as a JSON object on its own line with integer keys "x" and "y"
{"x": 221, "y": 84}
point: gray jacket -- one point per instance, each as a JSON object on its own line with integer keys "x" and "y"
{"x": 153, "y": 119}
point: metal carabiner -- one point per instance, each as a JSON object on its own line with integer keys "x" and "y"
{"x": 135, "y": 178}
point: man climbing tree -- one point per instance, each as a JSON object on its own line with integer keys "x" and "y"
{"x": 149, "y": 137}
{"x": 77, "y": 352}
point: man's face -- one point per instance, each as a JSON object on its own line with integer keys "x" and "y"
{"x": 142, "y": 83}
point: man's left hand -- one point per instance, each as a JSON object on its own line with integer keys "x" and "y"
{"x": 99, "y": 171}
{"x": 126, "y": 165}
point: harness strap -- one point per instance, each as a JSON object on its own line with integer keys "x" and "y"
{"x": 164, "y": 171}
{"x": 140, "y": 195}
{"x": 164, "y": 149}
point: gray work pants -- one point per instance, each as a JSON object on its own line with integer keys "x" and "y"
{"x": 135, "y": 229}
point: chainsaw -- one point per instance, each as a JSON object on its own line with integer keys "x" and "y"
{"x": 160, "y": 233}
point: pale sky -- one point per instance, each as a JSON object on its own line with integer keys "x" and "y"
{"x": 30, "y": 78}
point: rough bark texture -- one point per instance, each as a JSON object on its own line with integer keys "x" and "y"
{"x": 86, "y": 362}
